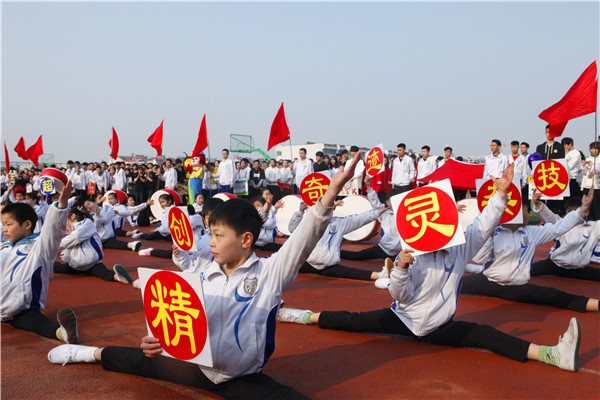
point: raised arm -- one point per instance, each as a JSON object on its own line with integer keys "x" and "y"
{"x": 284, "y": 264}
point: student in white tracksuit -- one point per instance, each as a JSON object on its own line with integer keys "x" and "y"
{"x": 389, "y": 242}
{"x": 324, "y": 259}
{"x": 242, "y": 295}
{"x": 163, "y": 232}
{"x": 197, "y": 230}
{"x": 133, "y": 211}
{"x": 510, "y": 255}
{"x": 41, "y": 208}
{"x": 82, "y": 249}
{"x": 268, "y": 232}
{"x": 425, "y": 291}
{"x": 572, "y": 252}
{"x": 26, "y": 269}
{"x": 104, "y": 219}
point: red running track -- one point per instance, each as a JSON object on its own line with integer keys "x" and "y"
{"x": 319, "y": 363}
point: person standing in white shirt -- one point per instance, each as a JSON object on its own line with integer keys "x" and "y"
{"x": 591, "y": 177}
{"x": 521, "y": 169}
{"x": 286, "y": 177}
{"x": 403, "y": 170}
{"x": 169, "y": 176}
{"x": 425, "y": 166}
{"x": 225, "y": 173}
{"x": 360, "y": 169}
{"x": 78, "y": 179}
{"x": 272, "y": 176}
{"x": 573, "y": 159}
{"x": 120, "y": 178}
{"x": 447, "y": 156}
{"x": 301, "y": 167}
{"x": 496, "y": 162}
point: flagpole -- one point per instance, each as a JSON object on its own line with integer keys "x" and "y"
{"x": 292, "y": 162}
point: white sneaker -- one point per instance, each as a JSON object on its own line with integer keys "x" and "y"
{"x": 137, "y": 235}
{"x": 146, "y": 252}
{"x": 382, "y": 283}
{"x": 133, "y": 232}
{"x": 136, "y": 284}
{"x": 295, "y": 315}
{"x": 566, "y": 352}
{"x": 72, "y": 353}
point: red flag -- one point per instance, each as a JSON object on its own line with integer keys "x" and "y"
{"x": 35, "y": 151}
{"x": 6, "y": 160}
{"x": 462, "y": 175}
{"x": 279, "y": 130}
{"x": 20, "y": 149}
{"x": 114, "y": 145}
{"x": 156, "y": 139}
{"x": 580, "y": 100}
{"x": 202, "y": 141}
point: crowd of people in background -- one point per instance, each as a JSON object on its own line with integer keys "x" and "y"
{"x": 403, "y": 171}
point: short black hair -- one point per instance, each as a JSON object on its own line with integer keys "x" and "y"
{"x": 320, "y": 154}
{"x": 426, "y": 148}
{"x": 514, "y": 143}
{"x": 566, "y": 140}
{"x": 344, "y": 152}
{"x": 595, "y": 145}
{"x": 499, "y": 143}
{"x": 525, "y": 144}
{"x": 225, "y": 150}
{"x": 21, "y": 212}
{"x": 32, "y": 196}
{"x": 210, "y": 205}
{"x": 447, "y": 148}
{"x": 548, "y": 126}
{"x": 191, "y": 210}
{"x": 401, "y": 145}
{"x": 239, "y": 215}
{"x": 354, "y": 149}
{"x": 302, "y": 149}
{"x": 167, "y": 197}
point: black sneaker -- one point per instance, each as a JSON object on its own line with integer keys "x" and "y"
{"x": 68, "y": 324}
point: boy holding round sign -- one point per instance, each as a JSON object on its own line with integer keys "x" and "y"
{"x": 242, "y": 297}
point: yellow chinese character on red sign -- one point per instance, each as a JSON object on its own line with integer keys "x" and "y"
{"x": 313, "y": 187}
{"x": 423, "y": 206}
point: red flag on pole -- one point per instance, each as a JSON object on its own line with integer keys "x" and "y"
{"x": 580, "y": 100}
{"x": 113, "y": 143}
{"x": 20, "y": 149}
{"x": 35, "y": 151}
{"x": 202, "y": 141}
{"x": 6, "y": 160}
{"x": 279, "y": 129}
{"x": 156, "y": 139}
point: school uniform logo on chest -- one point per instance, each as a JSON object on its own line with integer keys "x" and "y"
{"x": 250, "y": 285}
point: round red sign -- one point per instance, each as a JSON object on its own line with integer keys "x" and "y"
{"x": 513, "y": 205}
{"x": 427, "y": 219}
{"x": 374, "y": 161}
{"x": 551, "y": 178}
{"x": 313, "y": 186}
{"x": 181, "y": 229}
{"x": 175, "y": 315}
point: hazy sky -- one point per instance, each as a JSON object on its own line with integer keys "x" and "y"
{"x": 419, "y": 73}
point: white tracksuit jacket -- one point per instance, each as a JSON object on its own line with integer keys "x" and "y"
{"x": 27, "y": 266}
{"x": 389, "y": 237}
{"x": 327, "y": 251}
{"x": 426, "y": 293}
{"x": 241, "y": 309}
{"x": 510, "y": 254}
{"x": 82, "y": 248}
{"x": 268, "y": 231}
{"x": 192, "y": 262}
{"x": 105, "y": 222}
{"x": 134, "y": 213}
{"x": 40, "y": 210}
{"x": 574, "y": 249}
